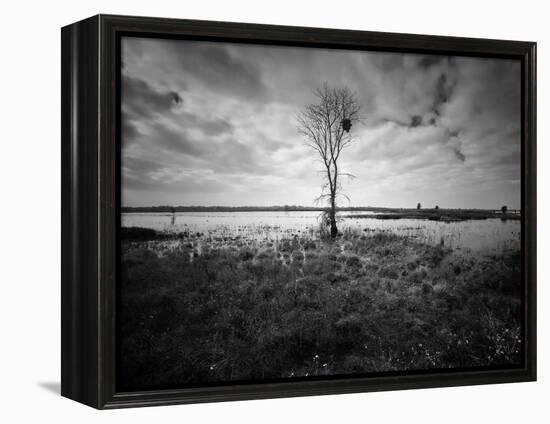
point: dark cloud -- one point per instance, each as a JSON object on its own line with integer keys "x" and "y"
{"x": 412, "y": 122}
{"x": 416, "y": 120}
{"x": 130, "y": 132}
{"x": 208, "y": 126}
{"x": 389, "y": 62}
{"x": 219, "y": 68}
{"x": 443, "y": 91}
{"x": 141, "y": 100}
{"x": 214, "y": 66}
{"x": 176, "y": 97}
{"x": 430, "y": 60}
{"x": 460, "y": 156}
{"x": 140, "y": 104}
{"x": 176, "y": 140}
{"x": 141, "y": 165}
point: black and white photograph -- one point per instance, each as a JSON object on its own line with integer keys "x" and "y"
{"x": 288, "y": 212}
{"x": 292, "y": 213}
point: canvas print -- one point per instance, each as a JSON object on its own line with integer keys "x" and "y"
{"x": 292, "y": 213}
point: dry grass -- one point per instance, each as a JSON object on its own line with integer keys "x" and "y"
{"x": 365, "y": 303}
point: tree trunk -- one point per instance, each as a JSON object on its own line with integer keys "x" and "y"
{"x": 333, "y": 228}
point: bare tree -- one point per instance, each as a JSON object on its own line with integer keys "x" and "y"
{"x": 326, "y": 126}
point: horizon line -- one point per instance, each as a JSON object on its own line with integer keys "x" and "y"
{"x": 305, "y": 207}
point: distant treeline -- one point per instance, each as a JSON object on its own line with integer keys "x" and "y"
{"x": 291, "y": 208}
{"x": 171, "y": 209}
{"x": 445, "y": 215}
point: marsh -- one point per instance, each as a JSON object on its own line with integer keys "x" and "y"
{"x": 292, "y": 213}
{"x": 486, "y": 235}
{"x": 264, "y": 295}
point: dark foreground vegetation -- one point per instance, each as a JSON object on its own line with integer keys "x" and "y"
{"x": 363, "y": 303}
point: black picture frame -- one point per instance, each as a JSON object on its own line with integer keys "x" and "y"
{"x": 90, "y": 178}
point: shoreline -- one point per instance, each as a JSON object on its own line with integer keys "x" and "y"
{"x": 293, "y": 208}
{"x": 443, "y": 215}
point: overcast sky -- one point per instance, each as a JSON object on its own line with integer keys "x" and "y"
{"x": 215, "y": 124}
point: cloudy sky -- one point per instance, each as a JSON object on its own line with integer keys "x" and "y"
{"x": 215, "y": 124}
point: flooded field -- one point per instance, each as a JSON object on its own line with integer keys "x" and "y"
{"x": 487, "y": 236}
{"x": 262, "y": 295}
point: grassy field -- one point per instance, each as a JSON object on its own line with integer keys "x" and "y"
{"x": 363, "y": 303}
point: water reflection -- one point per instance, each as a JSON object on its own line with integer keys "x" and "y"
{"x": 489, "y": 235}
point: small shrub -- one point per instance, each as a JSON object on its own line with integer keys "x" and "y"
{"x": 246, "y": 254}
{"x": 297, "y": 255}
{"x": 389, "y": 271}
{"x": 310, "y": 256}
{"x": 353, "y": 262}
{"x": 309, "y": 245}
{"x": 427, "y": 288}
